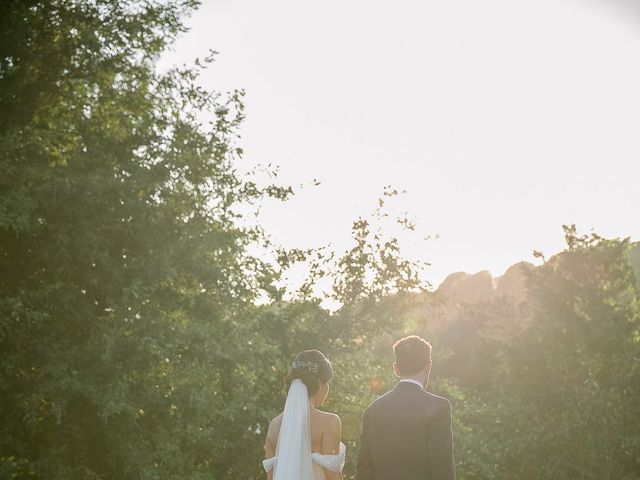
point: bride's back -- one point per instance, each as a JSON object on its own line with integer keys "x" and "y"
{"x": 325, "y": 432}
{"x": 307, "y": 388}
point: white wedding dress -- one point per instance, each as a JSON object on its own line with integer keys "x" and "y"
{"x": 320, "y": 462}
{"x": 293, "y": 459}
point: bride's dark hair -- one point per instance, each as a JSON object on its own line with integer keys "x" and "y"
{"x": 312, "y": 367}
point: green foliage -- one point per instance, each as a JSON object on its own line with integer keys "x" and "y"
{"x": 141, "y": 340}
{"x": 560, "y": 372}
{"x": 125, "y": 275}
{"x": 132, "y": 346}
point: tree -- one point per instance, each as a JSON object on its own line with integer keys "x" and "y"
{"x": 126, "y": 289}
{"x": 561, "y": 398}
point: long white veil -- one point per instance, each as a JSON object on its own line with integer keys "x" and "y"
{"x": 293, "y": 452}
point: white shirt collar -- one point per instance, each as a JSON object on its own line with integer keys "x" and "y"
{"x": 411, "y": 380}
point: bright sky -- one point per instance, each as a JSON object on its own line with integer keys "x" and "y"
{"x": 503, "y": 119}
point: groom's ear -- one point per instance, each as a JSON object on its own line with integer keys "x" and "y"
{"x": 396, "y": 370}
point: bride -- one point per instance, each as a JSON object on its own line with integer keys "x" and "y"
{"x": 303, "y": 443}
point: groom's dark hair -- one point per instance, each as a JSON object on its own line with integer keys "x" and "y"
{"x": 412, "y": 354}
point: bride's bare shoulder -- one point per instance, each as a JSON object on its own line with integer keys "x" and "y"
{"x": 272, "y": 435}
{"x": 330, "y": 420}
{"x": 275, "y": 422}
{"x": 329, "y": 416}
{"x": 330, "y": 427}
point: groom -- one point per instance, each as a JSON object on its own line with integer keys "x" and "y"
{"x": 406, "y": 433}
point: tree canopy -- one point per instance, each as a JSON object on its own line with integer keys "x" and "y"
{"x": 142, "y": 336}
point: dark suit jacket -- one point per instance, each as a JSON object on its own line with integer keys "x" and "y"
{"x": 407, "y": 435}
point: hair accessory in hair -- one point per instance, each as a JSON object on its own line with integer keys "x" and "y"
{"x": 311, "y": 366}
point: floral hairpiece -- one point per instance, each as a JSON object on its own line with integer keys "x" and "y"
{"x": 311, "y": 366}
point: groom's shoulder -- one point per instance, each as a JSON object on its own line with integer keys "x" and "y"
{"x": 378, "y": 401}
{"x": 382, "y": 401}
{"x": 440, "y": 403}
{"x": 435, "y": 402}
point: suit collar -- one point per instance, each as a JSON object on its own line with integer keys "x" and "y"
{"x": 412, "y": 381}
{"x": 408, "y": 387}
